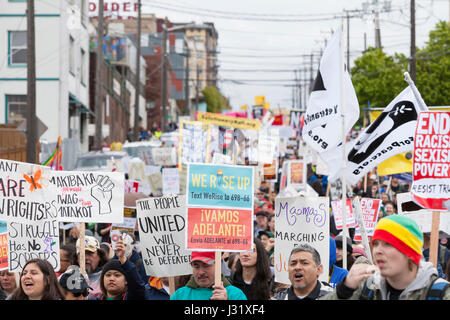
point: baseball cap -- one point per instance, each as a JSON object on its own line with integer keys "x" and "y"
{"x": 262, "y": 213}
{"x": 206, "y": 257}
{"x": 91, "y": 244}
{"x": 72, "y": 280}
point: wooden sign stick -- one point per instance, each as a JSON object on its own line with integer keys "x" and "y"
{"x": 218, "y": 268}
{"x": 172, "y": 285}
{"x": 434, "y": 238}
{"x": 82, "y": 238}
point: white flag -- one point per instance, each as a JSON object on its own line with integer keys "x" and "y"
{"x": 390, "y": 134}
{"x": 322, "y": 129}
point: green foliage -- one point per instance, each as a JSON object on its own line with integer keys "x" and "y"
{"x": 215, "y": 102}
{"x": 433, "y": 67}
{"x": 378, "y": 78}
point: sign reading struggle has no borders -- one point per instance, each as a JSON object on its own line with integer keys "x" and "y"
{"x": 219, "y": 207}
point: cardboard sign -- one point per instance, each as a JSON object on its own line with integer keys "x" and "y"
{"x": 171, "y": 181}
{"x": 219, "y": 207}
{"x": 163, "y": 156}
{"x": 26, "y": 204}
{"x": 369, "y": 211}
{"x": 88, "y": 196}
{"x": 336, "y": 206}
{"x": 129, "y": 220}
{"x": 295, "y": 173}
{"x": 162, "y": 223}
{"x": 131, "y": 186}
{"x": 431, "y": 162}
{"x": 301, "y": 220}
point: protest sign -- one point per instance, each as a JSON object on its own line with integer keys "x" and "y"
{"x": 228, "y": 121}
{"x": 193, "y": 142}
{"x": 3, "y": 246}
{"x": 268, "y": 145}
{"x": 131, "y": 186}
{"x": 295, "y": 173}
{"x": 271, "y": 171}
{"x": 162, "y": 223}
{"x": 300, "y": 220}
{"x": 431, "y": 162}
{"x": 170, "y": 181}
{"x": 163, "y": 156}
{"x": 88, "y": 196}
{"x": 369, "y": 216}
{"x": 361, "y": 229}
{"x": 30, "y": 212}
{"x": 219, "y": 207}
{"x": 129, "y": 221}
{"x": 336, "y": 206}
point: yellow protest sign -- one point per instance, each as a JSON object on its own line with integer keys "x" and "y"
{"x": 228, "y": 121}
{"x": 260, "y": 100}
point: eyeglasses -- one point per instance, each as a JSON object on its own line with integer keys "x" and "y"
{"x": 85, "y": 293}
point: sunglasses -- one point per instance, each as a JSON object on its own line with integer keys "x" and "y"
{"x": 85, "y": 293}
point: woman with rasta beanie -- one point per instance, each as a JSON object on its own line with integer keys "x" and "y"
{"x": 120, "y": 279}
{"x": 399, "y": 274}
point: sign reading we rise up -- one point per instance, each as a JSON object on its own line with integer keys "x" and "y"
{"x": 219, "y": 207}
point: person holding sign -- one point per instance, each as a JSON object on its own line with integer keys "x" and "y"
{"x": 201, "y": 285}
{"x": 38, "y": 282}
{"x": 400, "y": 272}
{"x": 304, "y": 269}
{"x": 120, "y": 279}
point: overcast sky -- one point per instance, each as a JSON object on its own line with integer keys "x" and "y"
{"x": 257, "y": 44}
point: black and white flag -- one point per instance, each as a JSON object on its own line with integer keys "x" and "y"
{"x": 390, "y": 134}
{"x": 322, "y": 129}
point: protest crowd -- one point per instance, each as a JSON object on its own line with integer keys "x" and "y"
{"x": 252, "y": 216}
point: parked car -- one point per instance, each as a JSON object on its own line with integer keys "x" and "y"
{"x": 97, "y": 160}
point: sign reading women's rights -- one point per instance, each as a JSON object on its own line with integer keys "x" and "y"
{"x": 26, "y": 206}
{"x": 88, "y": 196}
{"x": 431, "y": 162}
{"x": 301, "y": 220}
{"x": 336, "y": 206}
{"x": 219, "y": 207}
{"x": 162, "y": 224}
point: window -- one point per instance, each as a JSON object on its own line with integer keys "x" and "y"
{"x": 71, "y": 55}
{"x": 17, "y": 48}
{"x": 83, "y": 67}
{"x": 16, "y": 108}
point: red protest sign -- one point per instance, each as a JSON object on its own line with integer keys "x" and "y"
{"x": 224, "y": 229}
{"x": 336, "y": 206}
{"x": 369, "y": 211}
{"x": 431, "y": 162}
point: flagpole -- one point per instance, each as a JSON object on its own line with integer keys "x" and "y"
{"x": 416, "y": 92}
{"x": 344, "y": 164}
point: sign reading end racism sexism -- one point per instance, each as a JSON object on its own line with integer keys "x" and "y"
{"x": 219, "y": 208}
{"x": 431, "y": 167}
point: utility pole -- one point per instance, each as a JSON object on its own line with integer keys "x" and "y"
{"x": 187, "y": 93}
{"x": 377, "y": 27}
{"x": 98, "y": 138}
{"x": 412, "y": 65}
{"x": 31, "y": 86}
{"x": 164, "y": 76}
{"x": 197, "y": 87}
{"x": 311, "y": 78}
{"x": 138, "y": 76}
{"x": 348, "y": 42}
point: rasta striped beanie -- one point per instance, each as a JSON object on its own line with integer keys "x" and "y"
{"x": 402, "y": 233}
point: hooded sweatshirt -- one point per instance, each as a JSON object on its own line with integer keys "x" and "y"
{"x": 417, "y": 289}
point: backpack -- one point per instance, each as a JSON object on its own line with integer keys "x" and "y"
{"x": 436, "y": 291}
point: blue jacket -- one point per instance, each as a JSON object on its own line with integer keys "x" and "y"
{"x": 136, "y": 258}
{"x": 155, "y": 291}
{"x": 336, "y": 274}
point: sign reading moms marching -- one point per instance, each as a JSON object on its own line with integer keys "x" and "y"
{"x": 431, "y": 168}
{"x": 162, "y": 223}
{"x": 88, "y": 196}
{"x": 301, "y": 220}
{"x": 219, "y": 207}
{"x": 25, "y": 204}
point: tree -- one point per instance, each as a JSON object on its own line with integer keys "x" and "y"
{"x": 215, "y": 101}
{"x": 433, "y": 67}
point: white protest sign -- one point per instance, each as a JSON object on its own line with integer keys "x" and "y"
{"x": 171, "y": 181}
{"x": 88, "y": 196}
{"x": 164, "y": 156}
{"x": 336, "y": 206}
{"x": 361, "y": 229}
{"x": 162, "y": 223}
{"x": 301, "y": 220}
{"x": 268, "y": 145}
{"x": 131, "y": 186}
{"x": 26, "y": 205}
